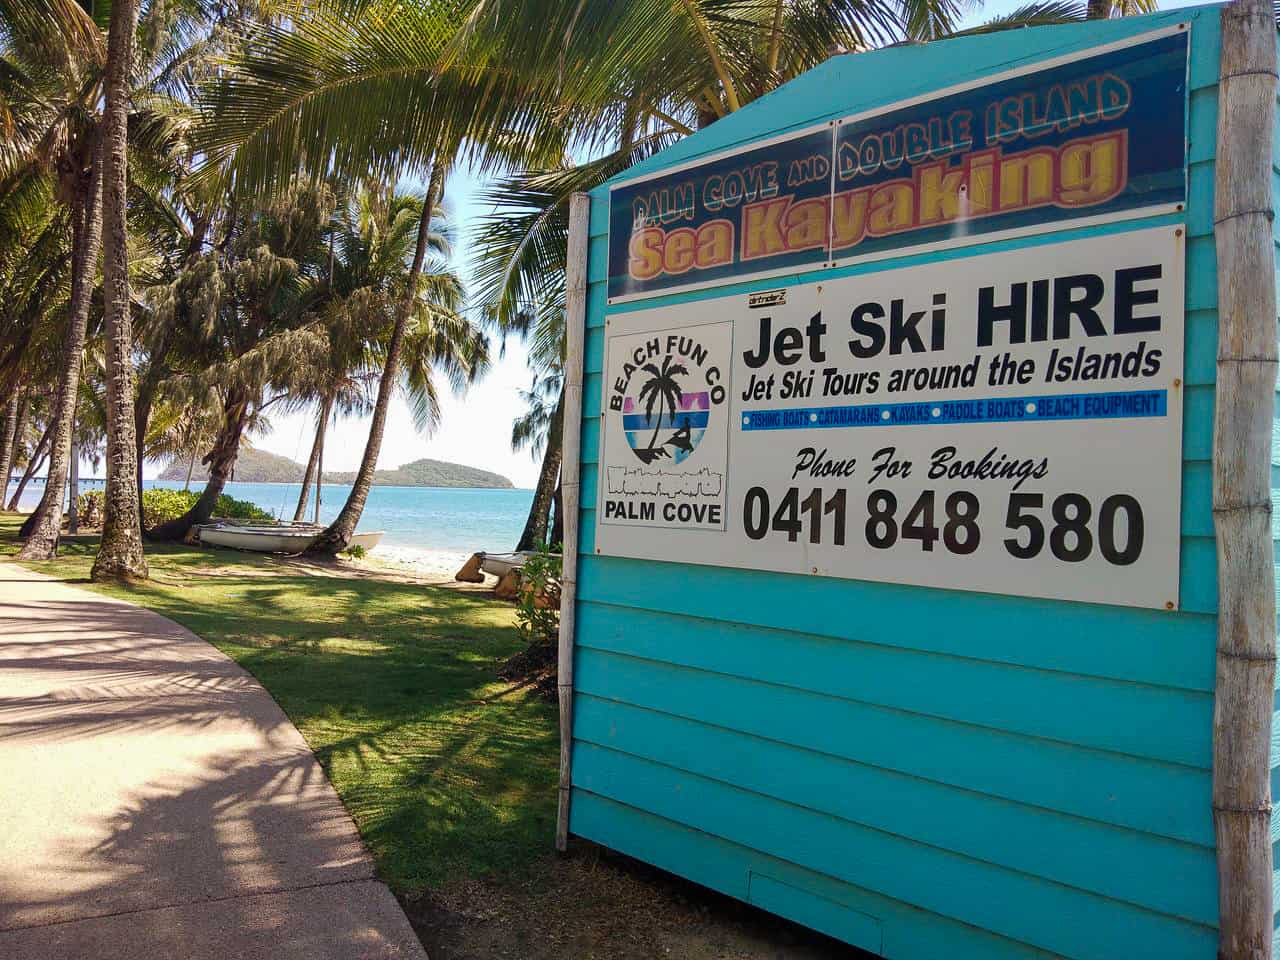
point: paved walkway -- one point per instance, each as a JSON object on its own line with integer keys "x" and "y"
{"x": 155, "y": 803}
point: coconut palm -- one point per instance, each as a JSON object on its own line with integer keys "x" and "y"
{"x": 53, "y": 88}
{"x": 428, "y": 334}
{"x": 368, "y": 251}
{"x": 242, "y": 307}
{"x": 51, "y": 59}
{"x": 181, "y": 432}
{"x": 120, "y": 555}
{"x": 34, "y": 284}
{"x": 31, "y": 452}
{"x": 521, "y": 81}
{"x": 339, "y": 381}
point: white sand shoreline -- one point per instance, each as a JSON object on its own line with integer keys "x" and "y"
{"x": 420, "y": 561}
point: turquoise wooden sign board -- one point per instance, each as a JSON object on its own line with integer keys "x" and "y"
{"x": 944, "y": 770}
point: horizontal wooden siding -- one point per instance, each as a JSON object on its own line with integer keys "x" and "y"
{"x": 922, "y": 773}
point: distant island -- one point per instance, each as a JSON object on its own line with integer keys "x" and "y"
{"x": 259, "y": 466}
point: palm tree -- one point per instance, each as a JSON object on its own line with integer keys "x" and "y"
{"x": 53, "y": 60}
{"x": 343, "y": 376}
{"x": 243, "y": 306}
{"x": 368, "y": 252}
{"x": 52, "y": 56}
{"x": 663, "y": 391}
{"x": 538, "y": 429}
{"x": 34, "y": 278}
{"x": 181, "y": 431}
{"x": 337, "y": 536}
{"x": 32, "y": 457}
{"x": 522, "y": 80}
{"x": 120, "y": 555}
{"x": 428, "y": 333}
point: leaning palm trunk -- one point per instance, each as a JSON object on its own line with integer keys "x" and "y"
{"x": 535, "y": 527}
{"x": 313, "y": 461}
{"x": 19, "y": 442}
{"x": 6, "y": 442}
{"x": 34, "y": 463}
{"x": 556, "y": 536}
{"x": 43, "y": 527}
{"x": 222, "y": 462}
{"x": 33, "y": 467}
{"x": 337, "y": 536}
{"x": 120, "y": 554}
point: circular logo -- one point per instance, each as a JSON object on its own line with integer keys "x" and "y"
{"x": 664, "y": 415}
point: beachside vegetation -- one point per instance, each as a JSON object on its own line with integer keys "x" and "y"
{"x": 160, "y": 505}
{"x": 538, "y": 610}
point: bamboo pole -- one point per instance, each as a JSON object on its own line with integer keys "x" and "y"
{"x": 575, "y": 319}
{"x": 1244, "y": 402}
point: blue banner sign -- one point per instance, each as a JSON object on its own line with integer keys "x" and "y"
{"x": 1099, "y": 137}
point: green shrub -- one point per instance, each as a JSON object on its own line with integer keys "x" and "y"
{"x": 355, "y": 551}
{"x": 241, "y": 510}
{"x": 160, "y": 505}
{"x": 538, "y": 610}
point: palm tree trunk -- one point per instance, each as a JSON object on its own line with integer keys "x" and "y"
{"x": 320, "y": 474}
{"x": 19, "y": 443}
{"x": 191, "y": 468}
{"x": 120, "y": 555}
{"x": 1099, "y": 9}
{"x": 535, "y": 527}
{"x": 73, "y": 490}
{"x": 557, "y": 519}
{"x": 43, "y": 527}
{"x": 222, "y": 461}
{"x": 6, "y": 441}
{"x": 337, "y": 536}
{"x": 322, "y": 421}
{"x": 34, "y": 463}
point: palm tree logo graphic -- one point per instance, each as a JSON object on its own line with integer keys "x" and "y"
{"x": 661, "y": 391}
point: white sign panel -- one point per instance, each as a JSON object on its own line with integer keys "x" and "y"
{"x": 1009, "y": 423}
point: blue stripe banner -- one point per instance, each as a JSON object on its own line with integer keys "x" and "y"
{"x": 1076, "y": 406}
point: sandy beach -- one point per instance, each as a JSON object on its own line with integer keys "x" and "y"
{"x": 417, "y": 561}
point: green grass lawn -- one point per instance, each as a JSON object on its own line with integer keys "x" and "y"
{"x": 447, "y": 775}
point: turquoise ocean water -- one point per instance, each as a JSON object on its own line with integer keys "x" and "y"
{"x": 435, "y": 518}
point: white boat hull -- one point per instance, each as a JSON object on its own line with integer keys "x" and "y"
{"x": 500, "y": 564}
{"x": 269, "y": 540}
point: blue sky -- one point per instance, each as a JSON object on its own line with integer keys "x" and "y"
{"x": 476, "y": 428}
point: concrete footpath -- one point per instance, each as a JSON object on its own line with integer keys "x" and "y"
{"x": 156, "y": 804}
